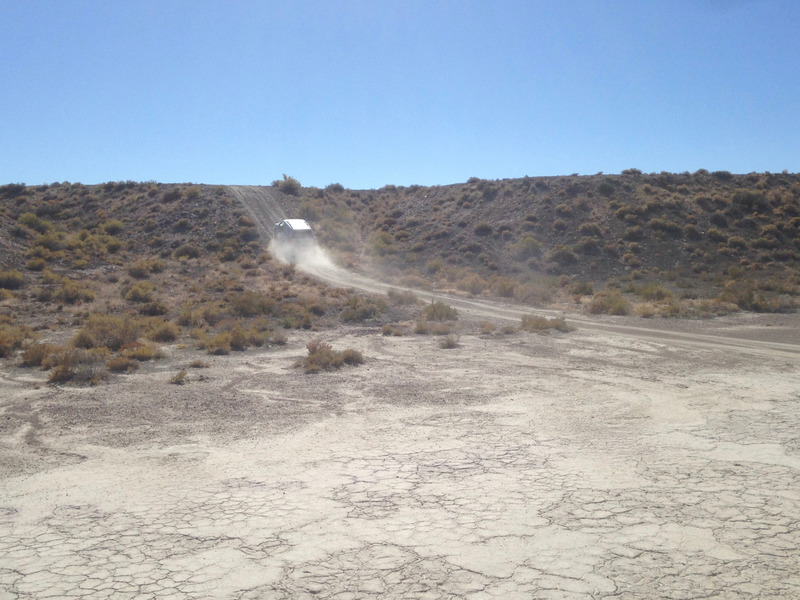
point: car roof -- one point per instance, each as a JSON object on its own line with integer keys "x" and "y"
{"x": 297, "y": 223}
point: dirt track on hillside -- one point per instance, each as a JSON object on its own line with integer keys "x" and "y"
{"x": 602, "y": 463}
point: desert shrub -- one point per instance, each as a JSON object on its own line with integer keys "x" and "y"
{"x": 35, "y": 264}
{"x": 322, "y": 357}
{"x": 609, "y": 302}
{"x": 122, "y": 364}
{"x": 537, "y": 324}
{"x": 12, "y": 336}
{"x": 79, "y": 366}
{"x": 289, "y": 185}
{"x": 503, "y": 286}
{"x": 199, "y": 364}
{"x": 560, "y": 225}
{"x": 486, "y": 327}
{"x": 719, "y": 219}
{"x": 654, "y": 291}
{"x": 716, "y": 235}
{"x": 393, "y": 330}
{"x": 249, "y": 303}
{"x": 153, "y": 309}
{"x": 32, "y": 221}
{"x": 139, "y": 269}
{"x": 449, "y": 342}
{"x": 526, "y": 247}
{"x": 665, "y": 225}
{"x": 107, "y": 331}
{"x": 112, "y": 226}
{"x": 141, "y": 352}
{"x": 422, "y": 327}
{"x": 220, "y": 344}
{"x": 35, "y": 354}
{"x": 590, "y": 229}
{"x": 141, "y": 291}
{"x": 72, "y": 292}
{"x": 113, "y": 245}
{"x": 581, "y": 288}
{"x": 402, "y": 298}
{"x": 750, "y": 201}
{"x": 180, "y": 378}
{"x": 483, "y": 229}
{"x": 473, "y": 284}
{"x": 737, "y": 242}
{"x": 187, "y": 251}
{"x": 160, "y": 330}
{"x": 605, "y": 189}
{"x": 562, "y": 254}
{"x": 11, "y": 280}
{"x": 439, "y": 311}
{"x": 359, "y": 308}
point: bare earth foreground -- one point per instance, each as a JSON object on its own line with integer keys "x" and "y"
{"x": 592, "y": 464}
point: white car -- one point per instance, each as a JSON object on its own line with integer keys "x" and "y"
{"x": 293, "y": 238}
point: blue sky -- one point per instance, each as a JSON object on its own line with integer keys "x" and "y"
{"x": 370, "y": 93}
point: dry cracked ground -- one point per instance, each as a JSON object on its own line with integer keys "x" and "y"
{"x": 592, "y": 464}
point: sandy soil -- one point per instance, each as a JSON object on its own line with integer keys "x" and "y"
{"x": 592, "y": 464}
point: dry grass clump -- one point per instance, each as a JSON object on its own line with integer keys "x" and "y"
{"x": 402, "y": 298}
{"x": 439, "y": 311}
{"x": 180, "y": 378}
{"x": 141, "y": 352}
{"x": 77, "y": 365}
{"x": 609, "y": 302}
{"x": 537, "y": 324}
{"x": 322, "y": 357}
{"x": 12, "y": 336}
{"x": 359, "y": 308}
{"x": 449, "y": 342}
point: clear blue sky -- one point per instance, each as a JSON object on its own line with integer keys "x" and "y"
{"x": 369, "y": 92}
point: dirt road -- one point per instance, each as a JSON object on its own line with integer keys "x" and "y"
{"x": 593, "y": 464}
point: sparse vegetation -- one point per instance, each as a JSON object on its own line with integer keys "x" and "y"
{"x": 322, "y": 357}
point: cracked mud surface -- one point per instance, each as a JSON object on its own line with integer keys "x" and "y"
{"x": 585, "y": 465}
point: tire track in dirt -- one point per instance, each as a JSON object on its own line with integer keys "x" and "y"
{"x": 265, "y": 207}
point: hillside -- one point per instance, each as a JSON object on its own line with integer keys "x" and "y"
{"x": 101, "y": 275}
{"x": 661, "y": 237}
